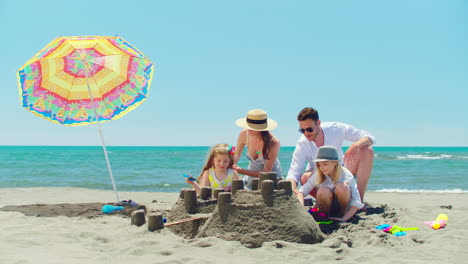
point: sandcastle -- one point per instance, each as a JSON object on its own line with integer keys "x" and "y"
{"x": 268, "y": 213}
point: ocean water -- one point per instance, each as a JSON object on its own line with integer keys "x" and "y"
{"x": 161, "y": 169}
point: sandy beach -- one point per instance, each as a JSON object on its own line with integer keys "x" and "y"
{"x": 111, "y": 239}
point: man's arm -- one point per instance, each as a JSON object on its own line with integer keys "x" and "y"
{"x": 356, "y": 135}
{"x": 365, "y": 141}
{"x": 360, "y": 138}
{"x": 296, "y": 169}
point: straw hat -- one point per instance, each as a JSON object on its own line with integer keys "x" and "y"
{"x": 257, "y": 120}
{"x": 327, "y": 153}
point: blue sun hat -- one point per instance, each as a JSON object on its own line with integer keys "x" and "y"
{"x": 327, "y": 153}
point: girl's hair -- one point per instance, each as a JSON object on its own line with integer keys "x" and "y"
{"x": 266, "y": 138}
{"x": 219, "y": 149}
{"x": 335, "y": 177}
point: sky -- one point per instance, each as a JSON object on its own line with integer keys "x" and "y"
{"x": 398, "y": 69}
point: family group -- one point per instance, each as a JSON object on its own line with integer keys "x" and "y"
{"x": 335, "y": 179}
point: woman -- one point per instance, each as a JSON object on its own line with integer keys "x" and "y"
{"x": 262, "y": 146}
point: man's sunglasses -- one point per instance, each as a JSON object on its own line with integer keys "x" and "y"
{"x": 309, "y": 129}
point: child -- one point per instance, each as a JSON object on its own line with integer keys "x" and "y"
{"x": 335, "y": 184}
{"x": 217, "y": 172}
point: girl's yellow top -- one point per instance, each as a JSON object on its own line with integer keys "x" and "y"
{"x": 216, "y": 183}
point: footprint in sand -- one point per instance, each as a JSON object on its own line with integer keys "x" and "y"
{"x": 166, "y": 253}
{"x": 203, "y": 244}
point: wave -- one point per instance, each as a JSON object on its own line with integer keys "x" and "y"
{"x": 425, "y": 157}
{"x": 421, "y": 191}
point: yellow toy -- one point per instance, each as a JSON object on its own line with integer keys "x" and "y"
{"x": 440, "y": 222}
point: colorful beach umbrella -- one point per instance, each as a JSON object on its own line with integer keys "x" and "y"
{"x": 83, "y": 80}
{"x": 78, "y": 80}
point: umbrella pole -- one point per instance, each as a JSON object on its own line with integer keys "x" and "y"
{"x": 107, "y": 158}
{"x": 100, "y": 133}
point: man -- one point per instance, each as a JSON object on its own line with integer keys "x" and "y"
{"x": 358, "y": 159}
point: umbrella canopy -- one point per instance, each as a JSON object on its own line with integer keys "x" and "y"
{"x": 81, "y": 80}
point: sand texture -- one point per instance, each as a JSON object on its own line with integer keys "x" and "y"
{"x": 27, "y": 236}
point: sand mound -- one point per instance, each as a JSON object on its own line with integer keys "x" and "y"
{"x": 250, "y": 217}
{"x": 251, "y": 221}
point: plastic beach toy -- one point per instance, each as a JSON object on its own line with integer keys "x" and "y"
{"x": 316, "y": 211}
{"x": 440, "y": 222}
{"x": 324, "y": 222}
{"x": 395, "y": 230}
{"x": 190, "y": 178}
{"x": 110, "y": 208}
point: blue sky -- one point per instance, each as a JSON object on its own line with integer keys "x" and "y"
{"x": 398, "y": 69}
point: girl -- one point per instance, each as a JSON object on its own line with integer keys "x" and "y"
{"x": 335, "y": 184}
{"x": 217, "y": 172}
{"x": 262, "y": 146}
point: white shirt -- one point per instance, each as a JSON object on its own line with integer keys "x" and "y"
{"x": 334, "y": 134}
{"x": 345, "y": 176}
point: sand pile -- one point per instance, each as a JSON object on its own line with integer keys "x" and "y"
{"x": 203, "y": 210}
{"x": 250, "y": 217}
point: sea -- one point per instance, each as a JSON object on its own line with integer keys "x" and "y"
{"x": 161, "y": 169}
